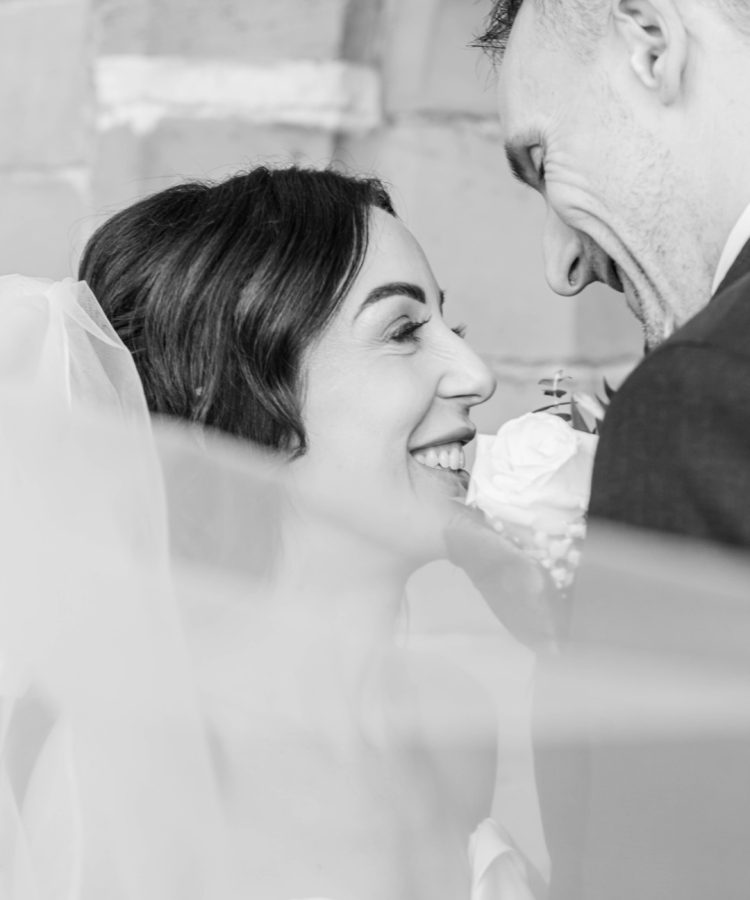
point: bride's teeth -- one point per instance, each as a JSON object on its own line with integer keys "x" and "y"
{"x": 449, "y": 456}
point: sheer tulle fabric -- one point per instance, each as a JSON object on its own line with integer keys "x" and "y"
{"x": 107, "y": 786}
{"x": 119, "y": 538}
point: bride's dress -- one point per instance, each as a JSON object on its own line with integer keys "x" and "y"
{"x": 108, "y": 772}
{"x": 497, "y": 868}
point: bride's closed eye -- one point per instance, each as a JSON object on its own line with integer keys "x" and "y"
{"x": 408, "y": 332}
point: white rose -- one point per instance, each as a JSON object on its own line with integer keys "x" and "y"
{"x": 535, "y": 472}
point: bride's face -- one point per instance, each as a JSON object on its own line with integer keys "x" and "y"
{"x": 388, "y": 391}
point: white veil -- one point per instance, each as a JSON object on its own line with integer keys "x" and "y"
{"x": 100, "y": 730}
{"x": 111, "y": 529}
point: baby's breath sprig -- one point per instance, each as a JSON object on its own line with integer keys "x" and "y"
{"x": 582, "y": 411}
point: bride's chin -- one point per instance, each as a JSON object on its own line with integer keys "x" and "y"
{"x": 432, "y": 506}
{"x": 451, "y": 483}
{"x": 403, "y": 528}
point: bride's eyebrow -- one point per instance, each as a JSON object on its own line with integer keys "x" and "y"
{"x": 397, "y": 289}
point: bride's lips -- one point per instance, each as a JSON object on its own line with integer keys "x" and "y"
{"x": 443, "y": 457}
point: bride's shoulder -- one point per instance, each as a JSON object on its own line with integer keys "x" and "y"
{"x": 458, "y": 726}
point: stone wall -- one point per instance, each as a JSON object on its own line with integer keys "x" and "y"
{"x": 105, "y": 100}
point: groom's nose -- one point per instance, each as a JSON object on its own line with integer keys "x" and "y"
{"x": 567, "y": 258}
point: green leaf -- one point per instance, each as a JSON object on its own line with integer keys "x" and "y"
{"x": 577, "y": 419}
{"x": 551, "y": 406}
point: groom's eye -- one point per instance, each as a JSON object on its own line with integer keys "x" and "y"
{"x": 525, "y": 156}
{"x": 536, "y": 154}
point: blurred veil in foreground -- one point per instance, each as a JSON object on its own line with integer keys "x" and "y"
{"x": 121, "y": 538}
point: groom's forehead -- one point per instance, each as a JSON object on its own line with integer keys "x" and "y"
{"x": 531, "y": 73}
{"x": 527, "y": 39}
{"x": 562, "y": 26}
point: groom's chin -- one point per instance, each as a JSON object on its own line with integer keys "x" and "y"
{"x": 651, "y": 339}
{"x": 656, "y": 332}
{"x": 655, "y": 324}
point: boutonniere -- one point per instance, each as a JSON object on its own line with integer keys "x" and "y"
{"x": 583, "y": 412}
{"x": 532, "y": 479}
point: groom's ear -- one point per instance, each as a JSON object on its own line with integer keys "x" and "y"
{"x": 655, "y": 37}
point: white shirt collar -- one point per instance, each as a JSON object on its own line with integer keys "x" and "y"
{"x": 737, "y": 239}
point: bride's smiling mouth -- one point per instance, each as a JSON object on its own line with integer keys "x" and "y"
{"x": 442, "y": 456}
{"x": 445, "y": 459}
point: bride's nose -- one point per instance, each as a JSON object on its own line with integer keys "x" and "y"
{"x": 466, "y": 376}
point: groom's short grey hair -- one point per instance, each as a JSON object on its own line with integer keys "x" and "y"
{"x": 579, "y": 22}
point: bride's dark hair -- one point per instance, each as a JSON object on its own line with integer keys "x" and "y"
{"x": 218, "y": 289}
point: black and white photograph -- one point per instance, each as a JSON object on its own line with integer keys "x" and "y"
{"x": 374, "y": 450}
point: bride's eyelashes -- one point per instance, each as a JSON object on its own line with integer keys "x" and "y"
{"x": 408, "y": 333}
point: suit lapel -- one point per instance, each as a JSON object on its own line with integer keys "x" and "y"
{"x": 740, "y": 267}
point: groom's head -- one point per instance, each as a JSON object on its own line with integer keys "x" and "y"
{"x": 632, "y": 119}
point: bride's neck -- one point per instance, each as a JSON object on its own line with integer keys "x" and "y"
{"x": 337, "y": 601}
{"x": 339, "y": 579}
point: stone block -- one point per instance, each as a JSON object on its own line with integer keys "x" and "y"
{"x": 212, "y": 149}
{"x": 45, "y": 102}
{"x": 129, "y": 166}
{"x": 117, "y": 175}
{"x": 250, "y": 30}
{"x": 481, "y": 231}
{"x": 41, "y": 224}
{"x": 428, "y": 63}
{"x": 364, "y": 35}
{"x": 121, "y": 26}
{"x": 141, "y": 90}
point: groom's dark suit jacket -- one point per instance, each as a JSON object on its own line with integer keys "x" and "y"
{"x": 655, "y": 819}
{"x": 674, "y": 453}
